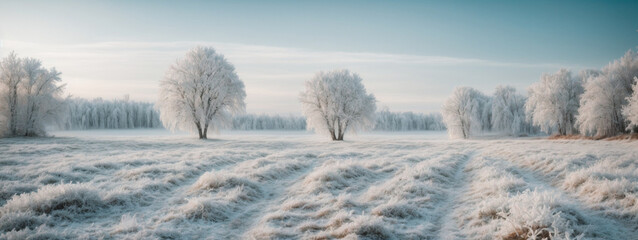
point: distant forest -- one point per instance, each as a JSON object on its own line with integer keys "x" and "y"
{"x": 123, "y": 114}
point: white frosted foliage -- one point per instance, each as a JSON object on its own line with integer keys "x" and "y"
{"x": 508, "y": 112}
{"x": 606, "y": 95}
{"x": 336, "y": 102}
{"x": 552, "y": 103}
{"x": 466, "y": 112}
{"x": 630, "y": 111}
{"x": 200, "y": 92}
{"x": 30, "y": 96}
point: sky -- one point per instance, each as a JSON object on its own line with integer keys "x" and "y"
{"x": 410, "y": 54}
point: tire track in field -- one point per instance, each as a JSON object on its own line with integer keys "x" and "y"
{"x": 273, "y": 196}
{"x": 447, "y": 227}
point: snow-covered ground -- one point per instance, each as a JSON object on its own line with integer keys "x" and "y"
{"x": 153, "y": 184}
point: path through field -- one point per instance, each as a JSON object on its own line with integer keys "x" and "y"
{"x": 273, "y": 186}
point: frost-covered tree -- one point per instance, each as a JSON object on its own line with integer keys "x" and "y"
{"x": 336, "y": 102}
{"x": 553, "y": 102}
{"x": 42, "y": 95}
{"x": 630, "y": 111}
{"x": 508, "y": 112}
{"x": 12, "y": 74}
{"x": 31, "y": 96}
{"x": 605, "y": 96}
{"x": 4, "y": 131}
{"x": 466, "y": 112}
{"x": 200, "y": 92}
{"x": 4, "y": 111}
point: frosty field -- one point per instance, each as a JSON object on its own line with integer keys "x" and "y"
{"x": 270, "y": 185}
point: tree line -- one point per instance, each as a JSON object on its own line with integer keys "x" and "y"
{"x": 268, "y": 122}
{"x": 201, "y": 92}
{"x": 83, "y": 114}
{"x": 407, "y": 121}
{"x": 594, "y": 102}
{"x": 110, "y": 114}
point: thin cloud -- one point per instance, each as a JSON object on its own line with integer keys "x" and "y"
{"x": 248, "y": 53}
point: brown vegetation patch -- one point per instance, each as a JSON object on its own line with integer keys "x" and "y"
{"x": 633, "y": 136}
{"x": 529, "y": 233}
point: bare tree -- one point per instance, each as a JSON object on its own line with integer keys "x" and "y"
{"x": 200, "y": 92}
{"x": 336, "y": 102}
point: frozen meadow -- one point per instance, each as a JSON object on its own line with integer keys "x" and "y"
{"x": 151, "y": 184}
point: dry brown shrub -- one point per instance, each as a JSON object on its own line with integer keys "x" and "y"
{"x": 633, "y": 136}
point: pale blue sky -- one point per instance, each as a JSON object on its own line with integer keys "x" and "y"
{"x": 411, "y": 54}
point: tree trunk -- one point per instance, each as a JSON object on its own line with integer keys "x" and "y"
{"x": 332, "y": 134}
{"x": 205, "y": 133}
{"x": 339, "y": 131}
{"x": 199, "y": 130}
{"x": 13, "y": 110}
{"x": 463, "y": 128}
{"x": 342, "y": 131}
{"x": 30, "y": 123}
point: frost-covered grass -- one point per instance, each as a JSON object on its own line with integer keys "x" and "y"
{"x": 148, "y": 184}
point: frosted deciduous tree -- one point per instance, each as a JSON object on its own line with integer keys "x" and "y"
{"x": 466, "y": 112}
{"x": 200, "y": 92}
{"x": 336, "y": 102}
{"x": 3, "y": 122}
{"x": 4, "y": 111}
{"x": 12, "y": 74}
{"x": 605, "y": 95}
{"x": 630, "y": 111}
{"x": 508, "y": 112}
{"x": 42, "y": 101}
{"x": 32, "y": 96}
{"x": 553, "y": 102}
